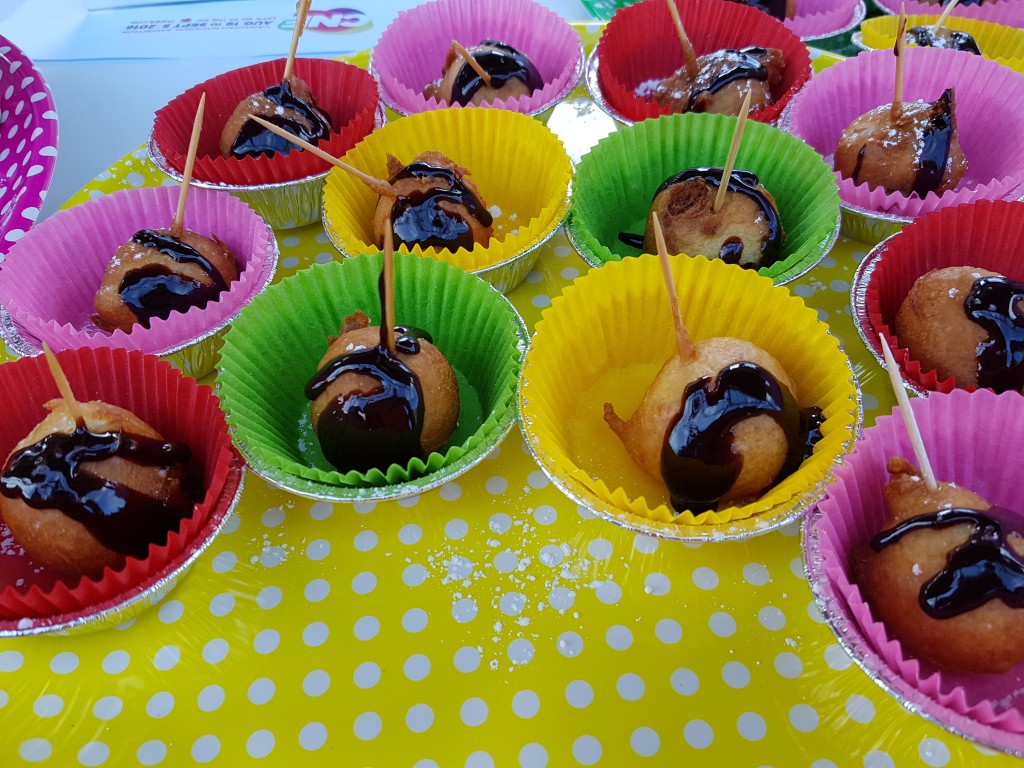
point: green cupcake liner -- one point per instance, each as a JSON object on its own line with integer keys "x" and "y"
{"x": 616, "y": 181}
{"x": 273, "y": 348}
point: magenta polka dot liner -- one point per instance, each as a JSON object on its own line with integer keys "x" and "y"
{"x": 28, "y": 143}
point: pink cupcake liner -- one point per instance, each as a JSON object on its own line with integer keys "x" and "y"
{"x": 989, "y": 113}
{"x": 76, "y": 245}
{"x": 346, "y": 92}
{"x": 970, "y": 438}
{"x": 159, "y": 395}
{"x": 640, "y": 44}
{"x": 986, "y": 234}
{"x": 28, "y": 143}
{"x": 822, "y": 18}
{"x": 1008, "y": 12}
{"x": 411, "y": 51}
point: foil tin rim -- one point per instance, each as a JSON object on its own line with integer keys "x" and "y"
{"x": 836, "y": 614}
{"x": 312, "y": 489}
{"x": 23, "y": 344}
{"x": 593, "y": 83}
{"x": 391, "y": 103}
{"x": 162, "y": 581}
{"x": 859, "y": 13}
{"x": 735, "y": 530}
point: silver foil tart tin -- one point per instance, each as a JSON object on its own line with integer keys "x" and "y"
{"x": 859, "y": 12}
{"x": 127, "y": 606}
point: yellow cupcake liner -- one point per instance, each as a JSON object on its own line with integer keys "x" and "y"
{"x": 996, "y": 41}
{"x": 606, "y": 337}
{"x": 519, "y": 166}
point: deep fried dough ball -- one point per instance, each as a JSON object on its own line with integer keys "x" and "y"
{"x": 745, "y": 230}
{"x": 437, "y": 383}
{"x": 290, "y": 106}
{"x": 512, "y": 75}
{"x": 155, "y": 274}
{"x": 722, "y": 81}
{"x": 931, "y": 323}
{"x": 918, "y": 153}
{"x": 437, "y": 205}
{"x": 759, "y": 440}
{"x": 989, "y": 638}
{"x": 943, "y": 37}
{"x": 70, "y": 547}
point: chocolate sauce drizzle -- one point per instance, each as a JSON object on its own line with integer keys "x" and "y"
{"x": 154, "y": 291}
{"x": 418, "y": 218}
{"x": 503, "y": 63}
{"x": 775, "y": 8}
{"x": 745, "y": 183}
{"x": 726, "y": 66}
{"x": 697, "y": 461}
{"x": 994, "y": 304}
{"x": 52, "y": 474}
{"x": 381, "y": 426}
{"x": 936, "y": 137}
{"x": 983, "y": 568}
{"x": 295, "y": 115}
{"x": 953, "y": 39}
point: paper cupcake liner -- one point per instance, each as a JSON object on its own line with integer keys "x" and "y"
{"x": 1007, "y": 12}
{"x": 969, "y": 437}
{"x": 519, "y": 166}
{"x": 159, "y": 395}
{"x": 823, "y": 18}
{"x": 347, "y": 93}
{"x": 411, "y": 51}
{"x": 996, "y": 41}
{"x": 640, "y": 44}
{"x": 989, "y": 114}
{"x": 28, "y": 143}
{"x": 616, "y": 181}
{"x": 273, "y": 350}
{"x": 986, "y": 234}
{"x": 59, "y": 311}
{"x": 595, "y": 344}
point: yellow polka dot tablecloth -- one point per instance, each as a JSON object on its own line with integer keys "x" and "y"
{"x": 489, "y": 623}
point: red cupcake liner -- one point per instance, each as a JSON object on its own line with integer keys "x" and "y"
{"x": 640, "y": 44}
{"x": 347, "y": 93}
{"x": 171, "y": 403}
{"x": 986, "y": 234}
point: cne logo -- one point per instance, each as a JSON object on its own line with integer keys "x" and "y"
{"x": 335, "y": 20}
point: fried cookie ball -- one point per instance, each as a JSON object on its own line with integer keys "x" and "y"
{"x": 290, "y": 106}
{"x": 718, "y": 428}
{"x": 722, "y": 81}
{"x": 946, "y": 574}
{"x": 943, "y": 37}
{"x": 436, "y": 205}
{"x": 917, "y": 153}
{"x": 967, "y": 323}
{"x": 371, "y": 408}
{"x": 156, "y": 273}
{"x": 746, "y": 230}
{"x": 80, "y": 498}
{"x": 512, "y": 74}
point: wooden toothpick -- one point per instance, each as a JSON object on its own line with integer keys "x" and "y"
{"x": 897, "y": 99}
{"x": 63, "y": 386}
{"x": 908, "y": 416}
{"x": 301, "y": 9}
{"x": 684, "y": 344}
{"x": 734, "y": 148}
{"x": 190, "y": 161}
{"x": 471, "y": 60}
{"x": 389, "y": 286}
{"x": 689, "y": 56}
{"x": 380, "y": 186}
{"x": 945, "y": 15}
